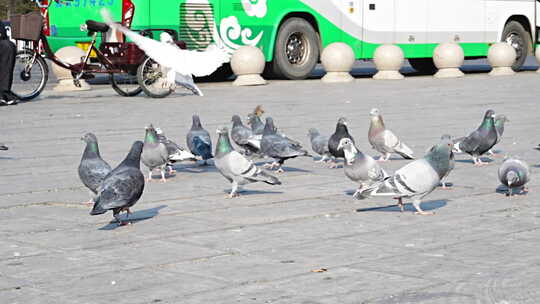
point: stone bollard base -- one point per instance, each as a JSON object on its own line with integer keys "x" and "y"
{"x": 502, "y": 71}
{"x": 335, "y": 77}
{"x": 388, "y": 75}
{"x": 449, "y": 73}
{"x": 249, "y": 80}
{"x": 66, "y": 85}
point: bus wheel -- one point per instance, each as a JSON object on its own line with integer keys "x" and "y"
{"x": 296, "y": 51}
{"x": 423, "y": 65}
{"x": 515, "y": 34}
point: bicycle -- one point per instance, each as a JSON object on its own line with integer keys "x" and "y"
{"x": 120, "y": 60}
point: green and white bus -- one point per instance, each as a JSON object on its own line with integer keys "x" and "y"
{"x": 292, "y": 33}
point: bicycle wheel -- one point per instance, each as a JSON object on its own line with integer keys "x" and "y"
{"x": 150, "y": 77}
{"x": 125, "y": 84}
{"x": 29, "y": 76}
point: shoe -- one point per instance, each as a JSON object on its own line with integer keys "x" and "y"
{"x": 11, "y": 98}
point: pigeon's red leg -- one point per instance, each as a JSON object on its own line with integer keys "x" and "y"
{"x": 400, "y": 203}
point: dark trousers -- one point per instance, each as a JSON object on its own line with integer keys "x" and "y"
{"x": 8, "y": 51}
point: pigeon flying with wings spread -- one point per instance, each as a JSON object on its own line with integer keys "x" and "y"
{"x": 179, "y": 66}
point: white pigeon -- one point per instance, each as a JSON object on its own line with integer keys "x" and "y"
{"x": 178, "y": 65}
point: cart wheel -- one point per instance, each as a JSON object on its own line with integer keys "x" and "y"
{"x": 149, "y": 76}
{"x": 29, "y": 78}
{"x": 125, "y": 84}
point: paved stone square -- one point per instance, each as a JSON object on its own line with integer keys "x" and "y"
{"x": 190, "y": 244}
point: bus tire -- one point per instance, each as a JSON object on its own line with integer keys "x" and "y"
{"x": 517, "y": 36}
{"x": 423, "y": 65}
{"x": 296, "y": 51}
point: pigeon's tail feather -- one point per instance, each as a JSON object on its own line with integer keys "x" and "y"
{"x": 306, "y": 153}
{"x": 537, "y": 148}
{"x": 181, "y": 155}
{"x": 385, "y": 188}
{"x": 3, "y": 147}
{"x": 405, "y": 152}
{"x": 269, "y": 178}
{"x": 97, "y": 209}
{"x": 405, "y": 155}
{"x": 203, "y": 149}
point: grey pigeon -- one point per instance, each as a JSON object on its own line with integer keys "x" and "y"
{"x": 244, "y": 137}
{"x": 385, "y": 141}
{"x": 92, "y": 168}
{"x": 176, "y": 153}
{"x": 416, "y": 179}
{"x": 123, "y": 187}
{"x": 360, "y": 168}
{"x": 514, "y": 173}
{"x": 340, "y": 133}
{"x": 451, "y": 164}
{"x": 319, "y": 144}
{"x": 480, "y": 140}
{"x": 154, "y": 154}
{"x": 3, "y": 147}
{"x": 236, "y": 168}
{"x": 255, "y": 122}
{"x": 278, "y": 147}
{"x": 198, "y": 140}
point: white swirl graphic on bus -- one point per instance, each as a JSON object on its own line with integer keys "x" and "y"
{"x": 257, "y": 8}
{"x": 230, "y": 31}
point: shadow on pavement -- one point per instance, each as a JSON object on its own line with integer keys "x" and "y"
{"x": 502, "y": 189}
{"x": 253, "y": 192}
{"x": 135, "y": 217}
{"x": 470, "y": 161}
{"x": 426, "y": 206}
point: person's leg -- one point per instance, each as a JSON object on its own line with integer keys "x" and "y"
{"x": 8, "y": 53}
{"x": 11, "y": 62}
{"x": 6, "y": 59}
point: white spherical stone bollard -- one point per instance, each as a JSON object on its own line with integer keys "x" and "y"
{"x": 537, "y": 54}
{"x": 71, "y": 55}
{"x": 337, "y": 59}
{"x": 448, "y": 58}
{"x": 388, "y": 59}
{"x": 501, "y": 56}
{"x": 247, "y": 63}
